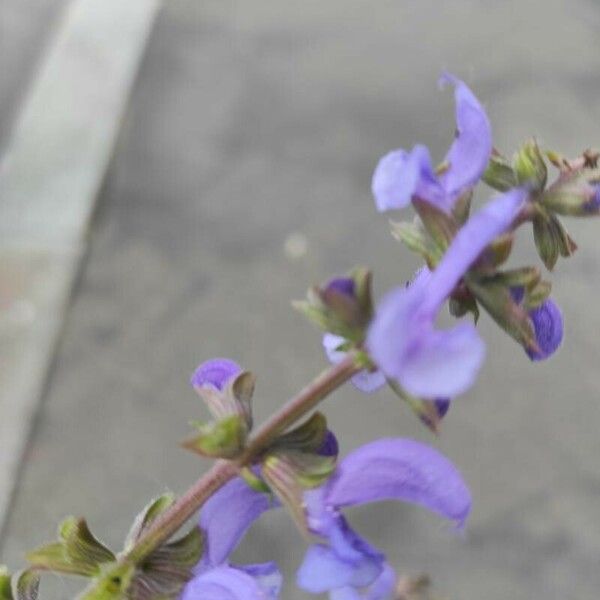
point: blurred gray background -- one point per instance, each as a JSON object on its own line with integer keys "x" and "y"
{"x": 240, "y": 176}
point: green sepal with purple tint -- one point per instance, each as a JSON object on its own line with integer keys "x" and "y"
{"x": 425, "y": 410}
{"x": 339, "y": 312}
{"x": 441, "y": 227}
{"x": 414, "y": 236}
{"x": 551, "y": 238}
{"x": 147, "y": 516}
{"x": 500, "y": 174}
{"x": 495, "y": 297}
{"x": 219, "y": 439}
{"x": 307, "y": 437}
{"x": 77, "y": 552}
{"x": 574, "y": 194}
{"x": 529, "y": 167}
{"x": 289, "y": 473}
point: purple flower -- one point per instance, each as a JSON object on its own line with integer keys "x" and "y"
{"x": 547, "y": 325}
{"x": 387, "y": 469}
{"x": 400, "y": 175}
{"x": 215, "y": 373}
{"x": 225, "y": 518}
{"x": 365, "y": 381}
{"x": 402, "y": 339}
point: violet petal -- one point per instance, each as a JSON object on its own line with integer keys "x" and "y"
{"x": 400, "y": 469}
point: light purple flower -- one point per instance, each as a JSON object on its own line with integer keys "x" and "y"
{"x": 400, "y": 175}
{"x": 365, "y": 381}
{"x": 215, "y": 373}
{"x": 402, "y": 339}
{"x": 387, "y": 469}
{"x": 225, "y": 518}
{"x": 547, "y": 325}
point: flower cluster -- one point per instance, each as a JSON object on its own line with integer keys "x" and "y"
{"x": 399, "y": 344}
{"x": 395, "y": 344}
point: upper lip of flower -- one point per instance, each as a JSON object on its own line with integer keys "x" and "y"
{"x": 401, "y": 175}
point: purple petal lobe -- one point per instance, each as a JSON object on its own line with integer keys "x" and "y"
{"x": 226, "y": 517}
{"x": 365, "y": 381}
{"x": 470, "y": 152}
{"x": 343, "y": 285}
{"x": 443, "y": 362}
{"x": 224, "y": 583}
{"x": 442, "y": 405}
{"x": 330, "y": 446}
{"x": 215, "y": 373}
{"x": 400, "y": 175}
{"x": 400, "y": 469}
{"x": 548, "y": 326}
{"x": 267, "y": 576}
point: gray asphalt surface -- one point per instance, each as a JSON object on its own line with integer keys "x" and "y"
{"x": 255, "y": 121}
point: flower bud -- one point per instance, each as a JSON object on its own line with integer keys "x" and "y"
{"x": 499, "y": 174}
{"x": 573, "y": 195}
{"x": 342, "y": 306}
{"x": 529, "y": 166}
{"x": 227, "y": 392}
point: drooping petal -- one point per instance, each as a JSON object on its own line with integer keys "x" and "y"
{"x": 215, "y": 373}
{"x": 400, "y": 175}
{"x": 365, "y": 381}
{"x": 267, "y": 576}
{"x": 548, "y": 327}
{"x": 443, "y": 361}
{"x": 224, "y": 583}
{"x": 471, "y": 150}
{"x": 400, "y": 469}
{"x": 226, "y": 517}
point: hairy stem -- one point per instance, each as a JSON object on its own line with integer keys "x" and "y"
{"x": 224, "y": 470}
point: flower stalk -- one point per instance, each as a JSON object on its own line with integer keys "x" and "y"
{"x": 224, "y": 470}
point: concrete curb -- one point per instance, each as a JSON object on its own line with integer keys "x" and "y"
{"x": 49, "y": 180}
